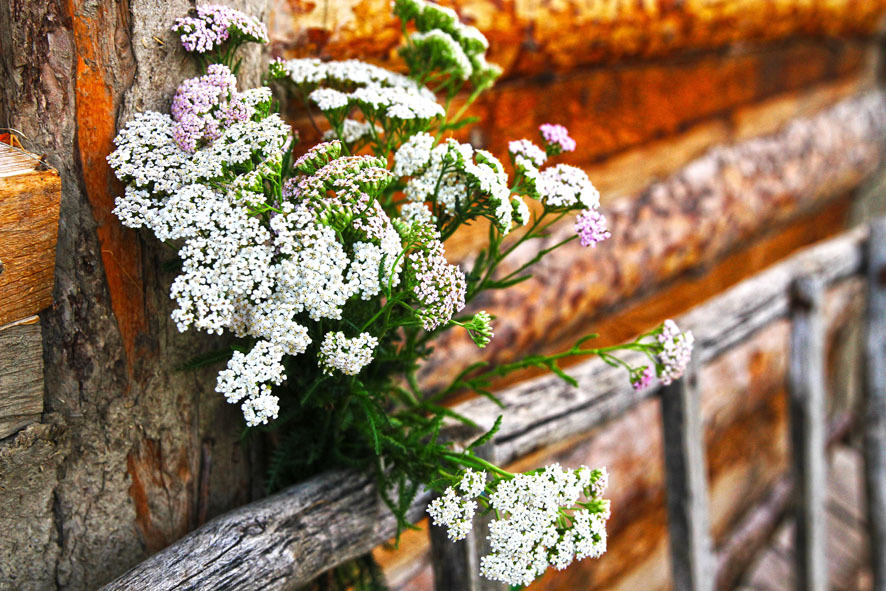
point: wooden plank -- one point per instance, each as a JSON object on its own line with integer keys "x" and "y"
{"x": 289, "y": 538}
{"x": 538, "y": 37}
{"x": 807, "y": 403}
{"x": 29, "y": 205}
{"x": 21, "y": 375}
{"x": 874, "y": 415}
{"x": 692, "y": 560}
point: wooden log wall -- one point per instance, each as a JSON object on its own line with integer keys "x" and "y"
{"x": 724, "y": 136}
{"x": 285, "y": 540}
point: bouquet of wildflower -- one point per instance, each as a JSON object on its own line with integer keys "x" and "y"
{"x": 330, "y": 269}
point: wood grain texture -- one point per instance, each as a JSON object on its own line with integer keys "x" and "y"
{"x": 21, "y": 375}
{"x": 537, "y": 413}
{"x": 610, "y": 110}
{"x": 557, "y": 35}
{"x": 29, "y": 208}
{"x": 692, "y": 558}
{"x": 808, "y": 460}
{"x": 121, "y": 472}
{"x": 688, "y": 221}
{"x": 874, "y": 417}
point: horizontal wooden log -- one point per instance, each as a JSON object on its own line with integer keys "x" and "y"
{"x": 549, "y": 35}
{"x": 287, "y": 539}
{"x": 21, "y": 375}
{"x": 609, "y": 110}
{"x": 29, "y": 204}
{"x": 692, "y": 219}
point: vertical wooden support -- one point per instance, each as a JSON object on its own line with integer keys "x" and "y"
{"x": 457, "y": 564}
{"x": 874, "y": 412}
{"x": 807, "y": 412}
{"x": 692, "y": 559}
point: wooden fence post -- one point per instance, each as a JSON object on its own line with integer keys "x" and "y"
{"x": 807, "y": 417}
{"x": 457, "y": 564}
{"x": 874, "y": 411}
{"x": 692, "y": 559}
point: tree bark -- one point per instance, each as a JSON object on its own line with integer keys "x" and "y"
{"x": 113, "y": 471}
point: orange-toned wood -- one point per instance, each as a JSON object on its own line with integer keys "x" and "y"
{"x": 97, "y": 104}
{"x": 537, "y": 37}
{"x": 613, "y": 109}
{"x": 30, "y": 195}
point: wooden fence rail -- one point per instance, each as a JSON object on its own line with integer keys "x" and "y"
{"x": 289, "y": 538}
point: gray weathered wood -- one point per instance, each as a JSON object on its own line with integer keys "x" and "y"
{"x": 874, "y": 414}
{"x": 21, "y": 375}
{"x": 807, "y": 418}
{"x": 305, "y": 538}
{"x": 692, "y": 559}
{"x": 754, "y": 530}
{"x": 277, "y": 542}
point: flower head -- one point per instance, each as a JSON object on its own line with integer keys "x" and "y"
{"x": 349, "y": 356}
{"x": 641, "y": 377}
{"x": 590, "y": 225}
{"x": 556, "y": 138}
{"x": 438, "y": 286}
{"x": 535, "y": 528}
{"x": 564, "y": 186}
{"x": 674, "y": 353}
{"x": 214, "y": 25}
{"x": 455, "y": 512}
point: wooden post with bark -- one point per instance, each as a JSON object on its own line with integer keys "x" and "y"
{"x": 807, "y": 418}
{"x": 692, "y": 558}
{"x": 102, "y": 468}
{"x": 874, "y": 408}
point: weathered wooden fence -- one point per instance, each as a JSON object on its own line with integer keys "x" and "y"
{"x": 288, "y": 539}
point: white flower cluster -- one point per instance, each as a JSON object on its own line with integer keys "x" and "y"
{"x": 349, "y": 356}
{"x": 247, "y": 378}
{"x": 453, "y": 175}
{"x": 261, "y": 277}
{"x": 147, "y": 156}
{"x": 563, "y": 185}
{"x": 379, "y": 93}
{"x": 541, "y": 521}
{"x": 675, "y": 352}
{"x": 438, "y": 286}
{"x": 531, "y": 534}
{"x": 455, "y": 511}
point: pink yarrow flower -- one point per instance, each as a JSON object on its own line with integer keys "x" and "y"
{"x": 641, "y": 379}
{"x": 556, "y": 138}
{"x": 214, "y": 25}
{"x": 590, "y": 225}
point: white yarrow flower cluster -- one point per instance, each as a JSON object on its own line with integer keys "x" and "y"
{"x": 376, "y": 91}
{"x": 563, "y": 185}
{"x": 247, "y": 378}
{"x": 531, "y": 533}
{"x": 349, "y": 356}
{"x": 455, "y": 512}
{"x": 452, "y": 174}
{"x": 540, "y": 521}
